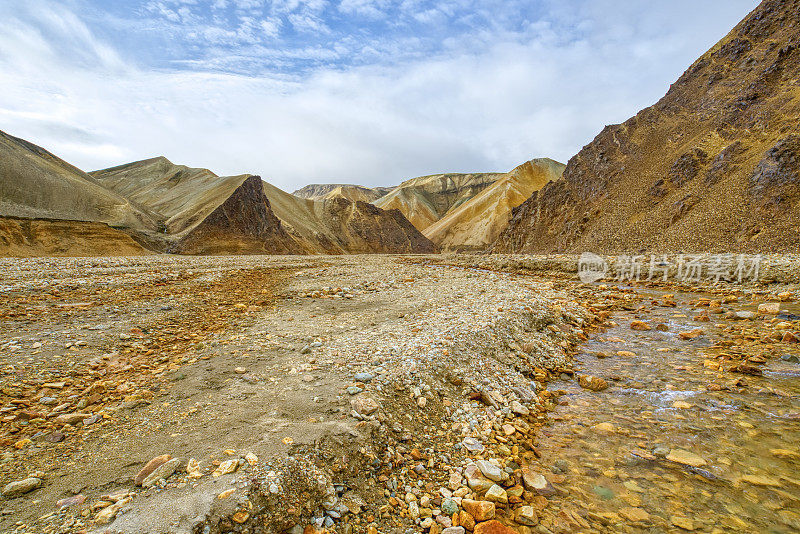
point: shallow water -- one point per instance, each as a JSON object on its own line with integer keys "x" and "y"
{"x": 620, "y": 480}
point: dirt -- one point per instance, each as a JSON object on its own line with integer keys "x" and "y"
{"x": 343, "y": 392}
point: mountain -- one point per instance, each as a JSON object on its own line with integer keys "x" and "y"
{"x": 713, "y": 166}
{"x": 426, "y": 199}
{"x": 336, "y": 225}
{"x": 476, "y": 223}
{"x": 46, "y": 203}
{"x": 37, "y": 184}
{"x": 347, "y": 191}
{"x": 199, "y": 212}
{"x": 209, "y": 214}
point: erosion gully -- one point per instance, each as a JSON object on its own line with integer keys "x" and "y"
{"x": 664, "y": 449}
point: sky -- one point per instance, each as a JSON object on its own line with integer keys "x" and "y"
{"x": 345, "y": 91}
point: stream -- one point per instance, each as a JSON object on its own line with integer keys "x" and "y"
{"x": 675, "y": 444}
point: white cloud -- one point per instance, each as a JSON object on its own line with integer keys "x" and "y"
{"x": 487, "y": 101}
{"x": 368, "y": 8}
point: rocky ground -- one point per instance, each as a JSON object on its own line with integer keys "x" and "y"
{"x": 349, "y": 394}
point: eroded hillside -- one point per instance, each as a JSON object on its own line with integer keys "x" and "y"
{"x": 426, "y": 199}
{"x": 713, "y": 166}
{"x": 476, "y": 223}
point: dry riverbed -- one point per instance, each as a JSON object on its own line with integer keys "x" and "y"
{"x": 375, "y": 394}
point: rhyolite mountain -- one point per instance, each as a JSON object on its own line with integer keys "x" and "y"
{"x": 335, "y": 225}
{"x": 712, "y": 166}
{"x": 255, "y": 216}
{"x": 49, "y": 207}
{"x": 346, "y": 191}
{"x": 199, "y": 212}
{"x": 476, "y": 223}
{"x": 426, "y": 199}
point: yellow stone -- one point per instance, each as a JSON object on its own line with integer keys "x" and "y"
{"x": 685, "y": 457}
{"x": 634, "y": 514}
{"x": 682, "y": 522}
{"x": 760, "y": 480}
{"x": 784, "y": 453}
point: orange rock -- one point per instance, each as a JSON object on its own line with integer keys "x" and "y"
{"x": 691, "y": 335}
{"x": 594, "y": 383}
{"x": 465, "y": 520}
{"x": 640, "y": 325}
{"x": 493, "y": 527}
{"x": 480, "y": 510}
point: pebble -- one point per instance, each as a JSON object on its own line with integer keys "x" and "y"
{"x": 150, "y": 467}
{"x": 449, "y": 506}
{"x": 364, "y": 404}
{"x": 518, "y": 408}
{"x": 21, "y": 487}
{"x": 473, "y": 445}
{"x": 526, "y": 515}
{"x": 480, "y": 510}
{"x": 536, "y": 482}
{"x": 685, "y": 457}
{"x": 489, "y": 470}
{"x": 593, "y": 383}
{"x": 496, "y": 494}
{"x": 161, "y": 472}
{"x": 226, "y": 467}
{"x": 363, "y": 377}
{"x": 770, "y": 308}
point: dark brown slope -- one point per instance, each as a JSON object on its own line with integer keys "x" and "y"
{"x": 367, "y": 228}
{"x": 713, "y": 166}
{"x": 243, "y": 224}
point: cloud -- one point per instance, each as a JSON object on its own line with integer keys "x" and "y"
{"x": 368, "y": 8}
{"x": 485, "y": 92}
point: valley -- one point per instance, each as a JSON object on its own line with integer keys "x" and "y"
{"x": 360, "y": 393}
{"x": 606, "y": 345}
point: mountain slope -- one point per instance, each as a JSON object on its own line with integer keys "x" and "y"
{"x": 51, "y": 208}
{"x": 426, "y": 199}
{"x": 338, "y": 226}
{"x": 199, "y": 212}
{"x": 25, "y": 238}
{"x": 37, "y": 184}
{"x": 476, "y": 223}
{"x": 713, "y": 166}
{"x": 203, "y": 213}
{"x": 347, "y": 191}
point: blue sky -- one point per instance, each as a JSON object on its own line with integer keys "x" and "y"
{"x": 362, "y": 91}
